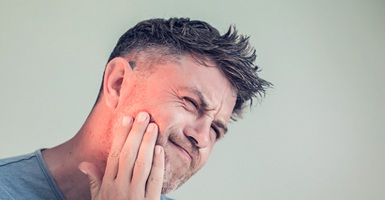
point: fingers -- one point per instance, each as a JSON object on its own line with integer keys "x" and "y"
{"x": 131, "y": 147}
{"x": 143, "y": 163}
{"x": 155, "y": 180}
{"x": 146, "y": 163}
{"x": 134, "y": 167}
{"x": 120, "y": 136}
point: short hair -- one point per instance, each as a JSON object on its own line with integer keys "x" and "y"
{"x": 231, "y": 52}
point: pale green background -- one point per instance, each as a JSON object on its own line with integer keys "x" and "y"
{"x": 318, "y": 135}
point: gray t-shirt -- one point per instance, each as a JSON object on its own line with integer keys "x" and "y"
{"x": 26, "y": 177}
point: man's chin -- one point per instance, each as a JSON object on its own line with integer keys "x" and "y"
{"x": 170, "y": 187}
{"x": 172, "y": 181}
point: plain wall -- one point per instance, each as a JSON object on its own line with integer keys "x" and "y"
{"x": 319, "y": 134}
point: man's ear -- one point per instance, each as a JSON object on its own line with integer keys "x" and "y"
{"x": 116, "y": 71}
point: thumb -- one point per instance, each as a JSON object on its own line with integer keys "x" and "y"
{"x": 94, "y": 175}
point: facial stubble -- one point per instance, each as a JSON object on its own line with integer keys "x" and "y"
{"x": 171, "y": 179}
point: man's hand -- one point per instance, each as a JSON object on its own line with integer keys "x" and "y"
{"x": 134, "y": 166}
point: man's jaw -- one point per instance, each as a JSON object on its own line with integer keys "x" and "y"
{"x": 175, "y": 175}
{"x": 171, "y": 180}
{"x": 175, "y": 145}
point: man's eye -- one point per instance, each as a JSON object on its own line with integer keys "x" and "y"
{"x": 217, "y": 132}
{"x": 191, "y": 102}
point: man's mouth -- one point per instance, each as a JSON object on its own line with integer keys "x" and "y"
{"x": 183, "y": 151}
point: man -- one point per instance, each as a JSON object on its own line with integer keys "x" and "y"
{"x": 169, "y": 90}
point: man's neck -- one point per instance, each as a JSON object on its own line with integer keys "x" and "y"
{"x": 90, "y": 144}
{"x": 63, "y": 162}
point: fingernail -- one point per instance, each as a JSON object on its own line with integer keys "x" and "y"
{"x": 158, "y": 149}
{"x": 142, "y": 116}
{"x": 126, "y": 121}
{"x": 84, "y": 172}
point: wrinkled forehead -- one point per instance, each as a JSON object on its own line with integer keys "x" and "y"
{"x": 149, "y": 58}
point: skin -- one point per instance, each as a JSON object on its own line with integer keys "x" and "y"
{"x": 147, "y": 134}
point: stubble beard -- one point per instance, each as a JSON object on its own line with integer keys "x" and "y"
{"x": 172, "y": 180}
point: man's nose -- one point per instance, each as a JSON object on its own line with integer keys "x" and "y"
{"x": 199, "y": 132}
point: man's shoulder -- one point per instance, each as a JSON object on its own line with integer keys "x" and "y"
{"x": 11, "y": 167}
{"x": 14, "y": 183}
{"x": 12, "y": 173}
{"x": 4, "y": 194}
{"x": 25, "y": 177}
{"x": 9, "y": 162}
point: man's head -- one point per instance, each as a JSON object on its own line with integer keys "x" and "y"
{"x": 189, "y": 78}
{"x": 165, "y": 39}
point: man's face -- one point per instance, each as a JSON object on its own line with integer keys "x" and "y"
{"x": 192, "y": 105}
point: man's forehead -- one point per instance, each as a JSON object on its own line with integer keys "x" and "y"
{"x": 157, "y": 61}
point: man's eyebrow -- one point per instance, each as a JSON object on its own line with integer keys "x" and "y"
{"x": 205, "y": 105}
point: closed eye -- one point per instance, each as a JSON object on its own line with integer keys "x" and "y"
{"x": 218, "y": 134}
{"x": 191, "y": 101}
